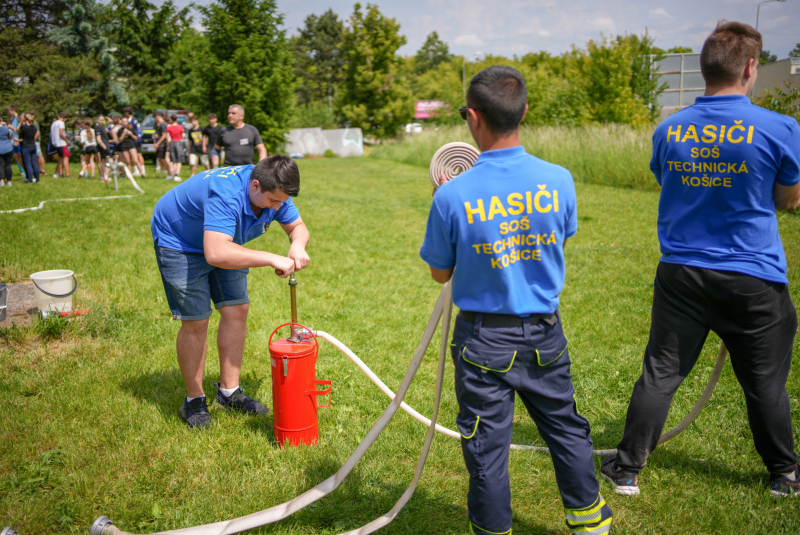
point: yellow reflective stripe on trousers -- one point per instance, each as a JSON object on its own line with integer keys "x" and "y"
{"x": 472, "y": 531}
{"x": 601, "y": 529}
{"x": 484, "y": 367}
{"x": 539, "y": 358}
{"x": 475, "y": 430}
{"x": 588, "y": 515}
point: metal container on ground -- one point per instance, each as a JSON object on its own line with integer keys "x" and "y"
{"x": 294, "y": 387}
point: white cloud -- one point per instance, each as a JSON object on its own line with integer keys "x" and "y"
{"x": 603, "y": 24}
{"x": 545, "y": 33}
{"x": 660, "y": 13}
{"x": 468, "y": 40}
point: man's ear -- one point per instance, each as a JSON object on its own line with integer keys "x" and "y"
{"x": 476, "y": 116}
{"x": 749, "y": 69}
{"x": 524, "y": 113}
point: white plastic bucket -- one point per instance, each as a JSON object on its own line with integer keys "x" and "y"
{"x": 54, "y": 290}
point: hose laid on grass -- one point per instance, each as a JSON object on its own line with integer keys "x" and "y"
{"x": 41, "y": 204}
{"x": 712, "y": 382}
{"x": 443, "y": 309}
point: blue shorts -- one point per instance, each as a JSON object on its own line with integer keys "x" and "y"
{"x": 18, "y": 149}
{"x": 213, "y": 152}
{"x": 191, "y": 284}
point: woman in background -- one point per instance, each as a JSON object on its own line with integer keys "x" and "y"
{"x": 6, "y": 153}
{"x": 89, "y": 143}
{"x": 28, "y": 136}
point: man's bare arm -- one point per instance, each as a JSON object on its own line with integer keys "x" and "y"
{"x": 298, "y": 236}
{"x": 786, "y": 197}
{"x": 220, "y": 251}
{"x": 262, "y": 151}
{"x": 441, "y": 275}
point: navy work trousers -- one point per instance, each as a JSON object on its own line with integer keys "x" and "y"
{"x": 491, "y": 365}
{"x": 757, "y": 321}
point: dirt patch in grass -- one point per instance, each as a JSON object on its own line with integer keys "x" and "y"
{"x": 21, "y": 304}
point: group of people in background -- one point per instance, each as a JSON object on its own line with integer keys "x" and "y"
{"x": 107, "y": 140}
{"x": 19, "y": 141}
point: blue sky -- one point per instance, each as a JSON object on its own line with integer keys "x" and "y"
{"x": 521, "y": 26}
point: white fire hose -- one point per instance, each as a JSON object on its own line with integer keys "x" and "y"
{"x": 450, "y": 160}
{"x": 41, "y": 204}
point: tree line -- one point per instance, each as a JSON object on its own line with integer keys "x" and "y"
{"x": 86, "y": 58}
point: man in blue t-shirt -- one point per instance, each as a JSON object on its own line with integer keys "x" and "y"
{"x": 498, "y": 231}
{"x": 724, "y": 166}
{"x": 198, "y": 231}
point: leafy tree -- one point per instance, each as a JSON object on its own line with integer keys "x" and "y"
{"x": 250, "y": 64}
{"x": 318, "y": 61}
{"x": 680, "y": 50}
{"x": 433, "y": 52}
{"x": 314, "y": 115}
{"x": 643, "y": 83}
{"x": 372, "y": 96}
{"x": 145, "y": 38}
{"x": 796, "y": 52}
{"x": 604, "y": 71}
{"x": 785, "y": 100}
{"x": 42, "y": 78}
{"x": 188, "y": 69}
{"x": 766, "y": 57}
{"x": 38, "y": 16}
{"x": 85, "y": 35}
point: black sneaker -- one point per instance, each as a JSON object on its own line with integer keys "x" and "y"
{"x": 625, "y": 483}
{"x": 781, "y": 487}
{"x": 195, "y": 413}
{"x": 240, "y": 402}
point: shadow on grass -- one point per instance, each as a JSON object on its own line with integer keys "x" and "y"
{"x": 684, "y": 465}
{"x": 363, "y": 496}
{"x": 166, "y": 390}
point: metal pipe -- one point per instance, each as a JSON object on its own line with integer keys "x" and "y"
{"x": 295, "y": 336}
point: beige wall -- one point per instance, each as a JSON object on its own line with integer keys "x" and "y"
{"x": 775, "y": 74}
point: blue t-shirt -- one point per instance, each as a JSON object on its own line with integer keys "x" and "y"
{"x": 135, "y": 125}
{"x": 717, "y": 163}
{"x": 502, "y": 225}
{"x": 213, "y": 200}
{"x": 5, "y": 140}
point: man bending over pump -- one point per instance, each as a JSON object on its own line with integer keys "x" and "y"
{"x": 502, "y": 226}
{"x": 198, "y": 230}
{"x": 723, "y": 266}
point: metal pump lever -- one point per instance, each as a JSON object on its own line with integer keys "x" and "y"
{"x": 295, "y": 337}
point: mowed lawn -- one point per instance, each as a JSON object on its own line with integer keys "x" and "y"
{"x": 89, "y": 419}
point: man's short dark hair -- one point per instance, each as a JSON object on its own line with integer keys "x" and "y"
{"x": 212, "y": 115}
{"x": 11, "y": 108}
{"x": 500, "y": 95}
{"x": 158, "y": 114}
{"x": 174, "y": 118}
{"x": 127, "y": 109}
{"x": 279, "y": 172}
{"x": 726, "y": 52}
{"x": 63, "y": 115}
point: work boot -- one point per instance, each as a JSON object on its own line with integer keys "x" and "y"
{"x": 240, "y": 402}
{"x": 625, "y": 483}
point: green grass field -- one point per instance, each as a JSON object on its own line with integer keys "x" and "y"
{"x": 89, "y": 419}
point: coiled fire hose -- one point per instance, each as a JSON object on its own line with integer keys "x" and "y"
{"x": 443, "y": 309}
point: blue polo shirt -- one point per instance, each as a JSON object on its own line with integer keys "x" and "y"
{"x": 502, "y": 225}
{"x": 213, "y": 200}
{"x": 717, "y": 163}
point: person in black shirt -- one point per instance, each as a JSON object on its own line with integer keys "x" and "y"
{"x": 210, "y": 135}
{"x": 162, "y": 143}
{"x": 28, "y": 135}
{"x": 239, "y": 140}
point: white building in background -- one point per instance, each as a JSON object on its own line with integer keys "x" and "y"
{"x": 684, "y": 81}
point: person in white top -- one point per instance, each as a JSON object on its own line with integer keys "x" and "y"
{"x": 58, "y": 139}
{"x": 89, "y": 144}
